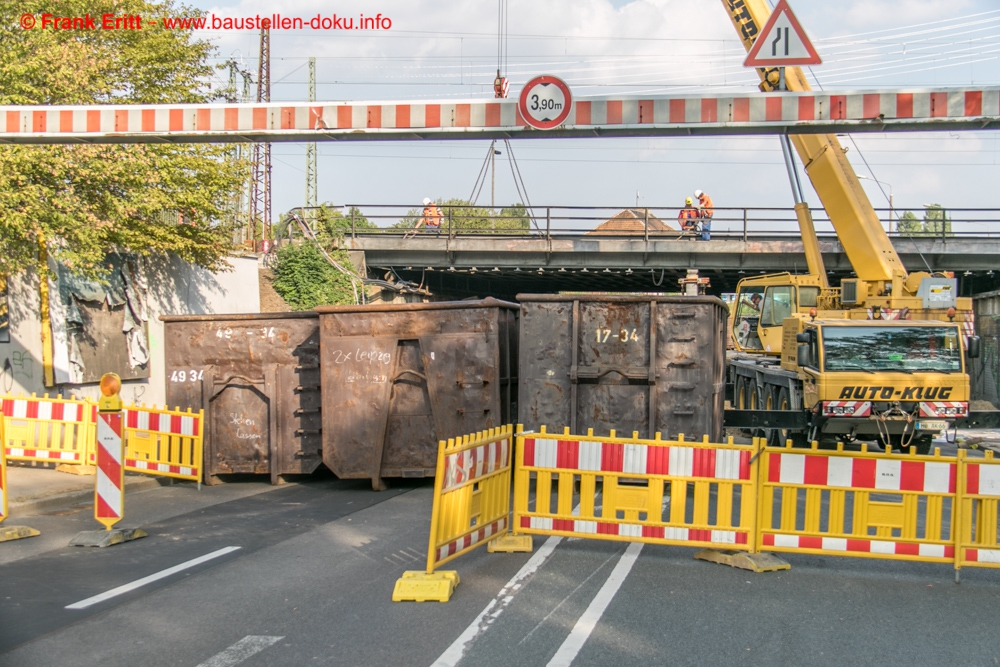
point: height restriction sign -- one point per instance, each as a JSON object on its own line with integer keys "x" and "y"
{"x": 782, "y": 42}
{"x": 545, "y": 102}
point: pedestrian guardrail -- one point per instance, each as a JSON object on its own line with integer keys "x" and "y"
{"x": 738, "y": 503}
{"x": 46, "y": 429}
{"x": 979, "y": 493}
{"x": 158, "y": 441}
{"x": 8, "y": 533}
{"x": 875, "y": 505}
{"x": 471, "y": 507}
{"x": 164, "y": 442}
{"x": 656, "y": 491}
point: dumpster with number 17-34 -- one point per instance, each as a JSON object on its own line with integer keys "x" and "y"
{"x": 629, "y": 363}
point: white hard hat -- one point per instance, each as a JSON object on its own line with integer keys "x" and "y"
{"x": 698, "y": 193}
{"x": 427, "y": 200}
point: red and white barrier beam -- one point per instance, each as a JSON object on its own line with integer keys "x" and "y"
{"x": 752, "y": 113}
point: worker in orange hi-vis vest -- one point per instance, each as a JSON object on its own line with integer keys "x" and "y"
{"x": 706, "y": 209}
{"x": 431, "y": 218}
{"x": 688, "y": 217}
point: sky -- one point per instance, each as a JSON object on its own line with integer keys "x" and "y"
{"x": 449, "y": 51}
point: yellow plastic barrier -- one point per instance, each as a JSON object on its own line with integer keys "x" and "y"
{"x": 50, "y": 430}
{"x": 471, "y": 507}
{"x": 164, "y": 442}
{"x": 8, "y": 533}
{"x": 979, "y": 488}
{"x": 644, "y": 487}
{"x": 860, "y": 504}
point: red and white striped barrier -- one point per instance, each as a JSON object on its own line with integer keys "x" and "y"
{"x": 43, "y": 408}
{"x": 464, "y": 466}
{"x": 109, "y": 501}
{"x": 848, "y": 545}
{"x": 164, "y": 442}
{"x": 944, "y": 409}
{"x": 882, "y": 474}
{"x": 63, "y": 436}
{"x": 484, "y": 534}
{"x": 639, "y": 459}
{"x": 155, "y": 421}
{"x": 874, "y": 110}
{"x": 627, "y": 530}
{"x": 847, "y": 408}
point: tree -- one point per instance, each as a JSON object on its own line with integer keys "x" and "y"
{"x": 909, "y": 224}
{"x": 330, "y": 222}
{"x": 86, "y": 200}
{"x": 464, "y": 215}
{"x": 305, "y": 279}
{"x": 935, "y": 223}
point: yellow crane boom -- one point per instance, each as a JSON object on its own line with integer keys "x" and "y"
{"x": 865, "y": 242}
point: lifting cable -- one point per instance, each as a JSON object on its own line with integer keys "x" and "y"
{"x": 402, "y": 286}
{"x": 481, "y": 178}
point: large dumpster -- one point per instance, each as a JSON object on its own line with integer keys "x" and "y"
{"x": 399, "y": 377}
{"x": 631, "y": 363}
{"x": 257, "y": 378}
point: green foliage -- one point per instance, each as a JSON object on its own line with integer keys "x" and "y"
{"x": 909, "y": 224}
{"x": 935, "y": 222}
{"x": 88, "y": 200}
{"x": 305, "y": 279}
{"x": 466, "y": 217}
{"x": 331, "y": 225}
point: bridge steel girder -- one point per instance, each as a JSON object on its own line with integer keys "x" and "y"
{"x": 620, "y": 116}
{"x": 769, "y": 255}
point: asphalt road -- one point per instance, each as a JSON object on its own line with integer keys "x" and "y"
{"x": 312, "y": 580}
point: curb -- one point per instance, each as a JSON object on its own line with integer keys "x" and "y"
{"x": 59, "y": 500}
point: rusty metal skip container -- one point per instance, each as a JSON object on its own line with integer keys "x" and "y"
{"x": 257, "y": 378}
{"x": 630, "y": 363}
{"x": 399, "y": 377}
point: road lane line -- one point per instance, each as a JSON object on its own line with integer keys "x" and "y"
{"x": 588, "y": 621}
{"x": 240, "y": 651}
{"x": 492, "y": 611}
{"x": 138, "y": 583}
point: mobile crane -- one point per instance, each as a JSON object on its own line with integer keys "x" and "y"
{"x": 881, "y": 357}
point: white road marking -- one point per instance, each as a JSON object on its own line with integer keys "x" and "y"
{"x": 588, "y": 621}
{"x": 240, "y": 651}
{"x": 138, "y": 583}
{"x": 492, "y": 611}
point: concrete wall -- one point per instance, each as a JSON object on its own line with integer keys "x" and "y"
{"x": 175, "y": 288}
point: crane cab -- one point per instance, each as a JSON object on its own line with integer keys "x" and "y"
{"x": 762, "y": 304}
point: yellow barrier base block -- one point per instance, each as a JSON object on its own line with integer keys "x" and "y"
{"x": 510, "y": 544}
{"x": 76, "y": 469}
{"x": 763, "y": 562}
{"x": 106, "y": 538}
{"x": 418, "y": 586}
{"x": 8, "y": 533}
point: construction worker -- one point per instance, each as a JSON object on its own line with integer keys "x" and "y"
{"x": 688, "y": 217}
{"x": 431, "y": 218}
{"x": 706, "y": 209}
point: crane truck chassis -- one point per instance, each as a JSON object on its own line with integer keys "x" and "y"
{"x": 896, "y": 383}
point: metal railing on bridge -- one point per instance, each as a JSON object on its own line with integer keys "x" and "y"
{"x": 650, "y": 223}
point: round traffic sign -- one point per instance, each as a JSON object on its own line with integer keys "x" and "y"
{"x": 545, "y": 102}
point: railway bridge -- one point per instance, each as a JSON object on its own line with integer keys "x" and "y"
{"x": 582, "y": 248}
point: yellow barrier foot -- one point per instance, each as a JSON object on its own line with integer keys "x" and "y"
{"x": 106, "y": 538}
{"x": 76, "y": 470}
{"x": 8, "y": 533}
{"x": 745, "y": 561}
{"x": 510, "y": 544}
{"x": 419, "y": 586}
